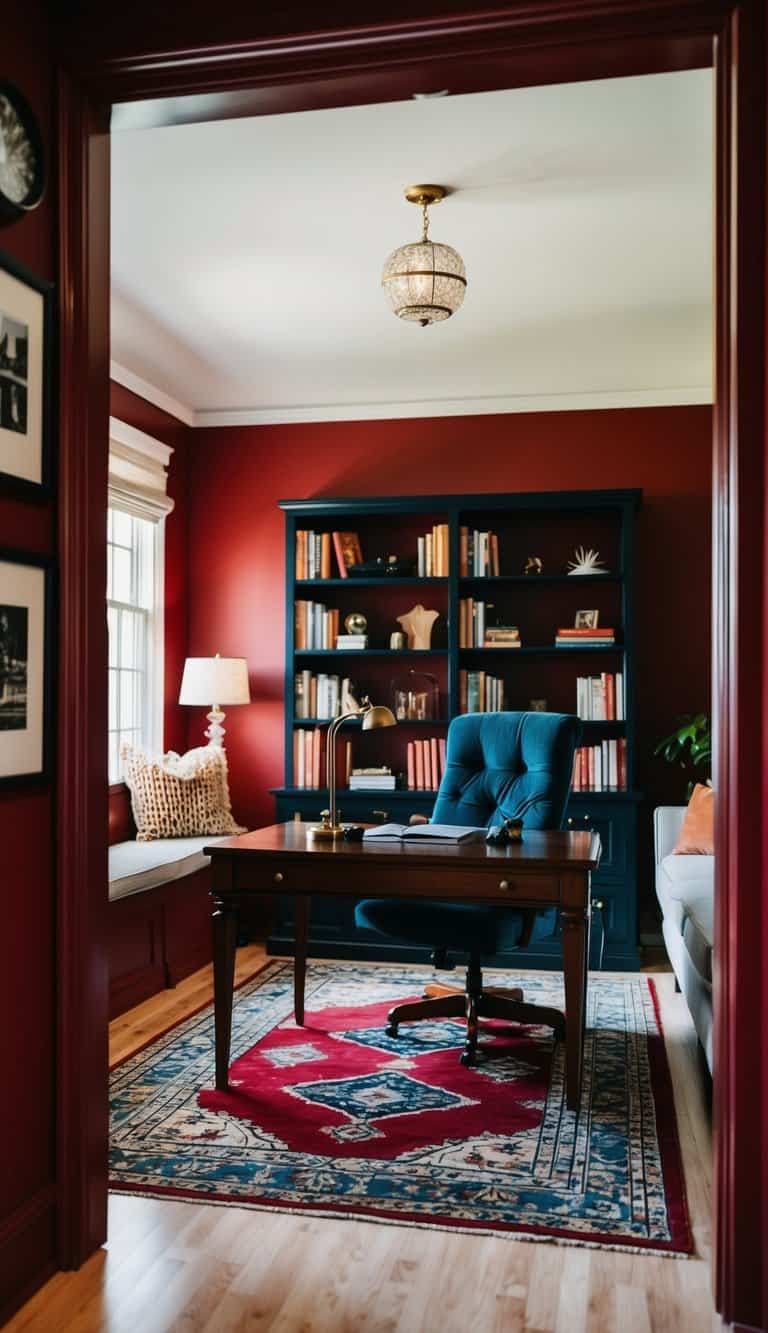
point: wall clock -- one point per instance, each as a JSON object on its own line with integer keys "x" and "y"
{"x": 22, "y": 168}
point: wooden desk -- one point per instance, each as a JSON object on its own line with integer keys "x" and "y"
{"x": 545, "y": 870}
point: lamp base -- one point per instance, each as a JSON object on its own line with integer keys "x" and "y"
{"x": 215, "y": 732}
{"x": 326, "y": 831}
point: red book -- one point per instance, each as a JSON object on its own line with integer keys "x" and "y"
{"x": 622, "y": 763}
{"x": 434, "y": 762}
{"x": 441, "y": 750}
{"x": 419, "y": 757}
{"x": 339, "y": 549}
{"x": 411, "y": 767}
{"x": 610, "y": 696}
{"x": 428, "y": 779}
{"x": 569, "y": 632}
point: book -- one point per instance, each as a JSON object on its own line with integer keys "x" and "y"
{"x": 424, "y": 833}
{"x": 584, "y": 632}
{"x": 348, "y": 551}
{"x": 382, "y": 783}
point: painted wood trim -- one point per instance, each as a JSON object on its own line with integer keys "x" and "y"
{"x": 82, "y": 795}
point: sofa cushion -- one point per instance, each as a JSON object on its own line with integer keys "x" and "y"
{"x": 136, "y": 866}
{"x": 679, "y": 877}
{"x": 697, "y": 836}
{"x": 698, "y": 933}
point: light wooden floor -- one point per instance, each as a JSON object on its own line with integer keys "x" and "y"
{"x": 194, "y": 1267}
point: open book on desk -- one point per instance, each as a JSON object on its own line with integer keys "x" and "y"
{"x": 424, "y": 833}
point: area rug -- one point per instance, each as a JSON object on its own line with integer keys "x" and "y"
{"x": 336, "y": 1118}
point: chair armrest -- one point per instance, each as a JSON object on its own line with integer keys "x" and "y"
{"x": 667, "y": 823}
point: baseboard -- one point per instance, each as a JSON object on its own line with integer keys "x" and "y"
{"x": 27, "y": 1249}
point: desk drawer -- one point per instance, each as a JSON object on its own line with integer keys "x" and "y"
{"x": 399, "y": 881}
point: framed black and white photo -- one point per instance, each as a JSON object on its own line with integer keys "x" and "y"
{"x": 586, "y": 619}
{"x": 26, "y": 375}
{"x": 26, "y": 642}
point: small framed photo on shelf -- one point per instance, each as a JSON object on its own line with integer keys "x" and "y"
{"x": 26, "y": 379}
{"x": 26, "y": 644}
{"x": 586, "y": 620}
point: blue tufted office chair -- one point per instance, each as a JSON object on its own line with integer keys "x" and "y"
{"x": 498, "y": 766}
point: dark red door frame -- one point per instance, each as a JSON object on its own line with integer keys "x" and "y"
{"x": 536, "y": 42}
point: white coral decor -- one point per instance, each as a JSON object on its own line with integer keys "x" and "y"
{"x": 586, "y": 562}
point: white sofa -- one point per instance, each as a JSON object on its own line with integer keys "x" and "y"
{"x": 685, "y": 890}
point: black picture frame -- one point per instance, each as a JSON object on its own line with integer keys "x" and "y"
{"x": 10, "y": 482}
{"x": 32, "y": 560}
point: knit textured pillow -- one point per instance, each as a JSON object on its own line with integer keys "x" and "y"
{"x": 178, "y": 795}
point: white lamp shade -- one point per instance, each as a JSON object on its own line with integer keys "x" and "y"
{"x": 215, "y": 680}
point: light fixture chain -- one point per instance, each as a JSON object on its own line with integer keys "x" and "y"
{"x": 424, "y": 219}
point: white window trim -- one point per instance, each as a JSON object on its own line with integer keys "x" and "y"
{"x": 137, "y": 485}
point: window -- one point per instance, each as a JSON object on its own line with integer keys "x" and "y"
{"x": 134, "y": 618}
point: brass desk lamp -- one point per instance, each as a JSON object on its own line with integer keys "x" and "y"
{"x": 373, "y": 715}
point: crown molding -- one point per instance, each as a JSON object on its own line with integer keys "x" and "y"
{"x": 151, "y": 393}
{"x": 690, "y": 395}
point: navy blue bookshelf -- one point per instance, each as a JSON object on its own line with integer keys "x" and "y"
{"x": 550, "y": 524}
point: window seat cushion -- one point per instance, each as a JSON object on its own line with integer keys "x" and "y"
{"x": 136, "y": 866}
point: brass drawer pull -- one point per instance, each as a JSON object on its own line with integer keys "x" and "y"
{"x": 380, "y": 814}
{"x": 279, "y": 877}
{"x": 504, "y": 884}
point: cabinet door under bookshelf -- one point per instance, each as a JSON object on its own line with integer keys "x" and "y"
{"x": 502, "y": 638}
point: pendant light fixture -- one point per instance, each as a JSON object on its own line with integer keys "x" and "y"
{"x": 425, "y": 280}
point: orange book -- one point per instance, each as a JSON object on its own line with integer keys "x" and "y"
{"x": 434, "y": 762}
{"x": 299, "y": 574}
{"x": 495, "y": 554}
{"x": 429, "y": 781}
{"x": 610, "y": 696}
{"x": 462, "y": 691}
{"x": 622, "y": 763}
{"x": 325, "y": 556}
{"x": 481, "y": 691}
{"x": 441, "y": 751}
{"x": 463, "y": 552}
{"x": 411, "y": 767}
{"x": 419, "y": 758}
{"x": 300, "y": 625}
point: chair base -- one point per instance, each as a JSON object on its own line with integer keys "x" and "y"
{"x": 473, "y": 1004}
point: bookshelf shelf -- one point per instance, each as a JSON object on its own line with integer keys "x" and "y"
{"x": 352, "y": 722}
{"x": 371, "y": 652}
{"x": 385, "y": 581}
{"x": 541, "y": 650}
{"x": 550, "y": 525}
{"x": 535, "y": 580}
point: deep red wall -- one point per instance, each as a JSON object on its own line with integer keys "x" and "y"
{"x": 27, "y": 974}
{"x": 144, "y": 416}
{"x": 236, "y": 565}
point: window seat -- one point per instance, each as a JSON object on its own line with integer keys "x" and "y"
{"x": 159, "y": 913}
{"x": 137, "y": 866}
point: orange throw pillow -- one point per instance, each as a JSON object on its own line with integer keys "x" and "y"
{"x": 697, "y": 836}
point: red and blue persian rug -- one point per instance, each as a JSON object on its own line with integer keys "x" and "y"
{"x": 338, "y": 1119}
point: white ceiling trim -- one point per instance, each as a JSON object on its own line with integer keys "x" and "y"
{"x": 460, "y": 407}
{"x": 151, "y": 393}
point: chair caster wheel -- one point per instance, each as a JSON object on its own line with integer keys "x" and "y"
{"x": 391, "y": 1029}
{"x": 471, "y": 1056}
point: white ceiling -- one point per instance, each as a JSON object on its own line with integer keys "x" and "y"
{"x": 246, "y": 254}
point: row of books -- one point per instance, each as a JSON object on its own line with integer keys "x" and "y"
{"x": 315, "y": 626}
{"x": 318, "y": 695}
{"x": 426, "y": 764}
{"x": 601, "y": 767}
{"x": 313, "y": 553}
{"x": 569, "y": 637}
{"x": 309, "y": 751}
{"x": 601, "y": 698}
{"x": 432, "y": 553}
{"x": 475, "y": 633}
{"x": 479, "y": 692}
{"x": 478, "y": 553}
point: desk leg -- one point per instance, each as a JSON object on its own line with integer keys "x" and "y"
{"x": 575, "y": 924}
{"x": 301, "y": 932}
{"x": 224, "y": 934}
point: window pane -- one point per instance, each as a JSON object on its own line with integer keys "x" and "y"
{"x": 131, "y": 639}
{"x": 113, "y": 620}
{"x": 120, "y": 589}
{"x": 122, "y": 528}
{"x": 114, "y": 720}
{"x": 114, "y": 757}
{"x": 130, "y": 714}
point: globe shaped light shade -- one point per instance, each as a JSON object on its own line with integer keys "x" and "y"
{"x": 424, "y": 281}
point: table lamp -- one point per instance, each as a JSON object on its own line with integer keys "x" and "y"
{"x": 373, "y": 715}
{"x": 223, "y": 679}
